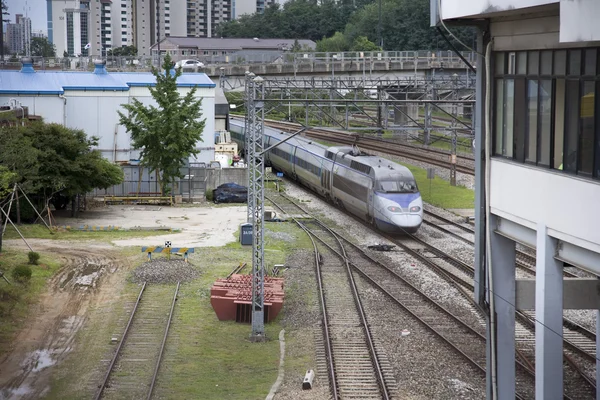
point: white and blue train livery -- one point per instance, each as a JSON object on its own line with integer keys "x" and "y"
{"x": 374, "y": 189}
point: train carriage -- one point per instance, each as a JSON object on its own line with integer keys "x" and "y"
{"x": 374, "y": 189}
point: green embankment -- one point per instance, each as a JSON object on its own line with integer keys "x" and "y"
{"x": 17, "y": 298}
{"x": 441, "y": 193}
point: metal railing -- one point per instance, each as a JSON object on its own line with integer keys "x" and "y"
{"x": 213, "y": 62}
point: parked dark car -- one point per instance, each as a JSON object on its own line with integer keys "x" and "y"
{"x": 230, "y": 193}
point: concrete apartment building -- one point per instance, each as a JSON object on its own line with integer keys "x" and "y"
{"x": 107, "y": 24}
{"x": 18, "y": 35}
{"x": 537, "y": 174}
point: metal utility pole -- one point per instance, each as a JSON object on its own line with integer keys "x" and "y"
{"x": 379, "y": 38}
{"x": 256, "y": 172}
{"x": 2, "y": 31}
{"x": 247, "y": 145}
{"x": 158, "y": 30}
{"x": 453, "y": 160}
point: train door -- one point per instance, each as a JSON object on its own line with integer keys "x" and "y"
{"x": 325, "y": 178}
{"x": 370, "y": 207}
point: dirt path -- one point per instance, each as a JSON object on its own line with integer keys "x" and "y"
{"x": 86, "y": 277}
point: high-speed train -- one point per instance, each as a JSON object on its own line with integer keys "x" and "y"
{"x": 374, "y": 189}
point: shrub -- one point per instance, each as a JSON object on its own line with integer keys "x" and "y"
{"x": 33, "y": 257}
{"x": 209, "y": 195}
{"x": 21, "y": 273}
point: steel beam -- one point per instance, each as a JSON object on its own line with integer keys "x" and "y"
{"x": 548, "y": 318}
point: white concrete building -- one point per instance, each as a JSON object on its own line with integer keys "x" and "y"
{"x": 539, "y": 184}
{"x": 90, "y": 100}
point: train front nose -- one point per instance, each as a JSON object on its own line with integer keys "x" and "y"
{"x": 407, "y": 222}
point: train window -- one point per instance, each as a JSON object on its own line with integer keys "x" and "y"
{"x": 398, "y": 186}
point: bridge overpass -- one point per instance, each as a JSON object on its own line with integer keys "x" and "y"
{"x": 417, "y": 66}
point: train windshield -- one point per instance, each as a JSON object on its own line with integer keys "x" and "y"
{"x": 403, "y": 185}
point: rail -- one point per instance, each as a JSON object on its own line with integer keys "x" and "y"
{"x": 119, "y": 351}
{"x": 377, "y": 368}
{"x": 526, "y": 365}
{"x": 431, "y": 156}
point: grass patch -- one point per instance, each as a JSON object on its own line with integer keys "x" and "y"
{"x": 16, "y": 299}
{"x": 442, "y": 194}
{"x": 41, "y": 232}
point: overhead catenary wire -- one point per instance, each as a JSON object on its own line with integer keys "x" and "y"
{"x": 491, "y": 293}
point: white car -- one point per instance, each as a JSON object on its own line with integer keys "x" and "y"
{"x": 189, "y": 64}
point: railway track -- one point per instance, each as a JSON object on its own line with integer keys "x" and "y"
{"x": 467, "y": 341}
{"x": 133, "y": 370}
{"x": 579, "y": 344}
{"x": 525, "y": 261}
{"x": 437, "y": 157}
{"x": 356, "y": 369}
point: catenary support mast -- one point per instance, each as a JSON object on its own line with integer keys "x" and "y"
{"x": 256, "y": 197}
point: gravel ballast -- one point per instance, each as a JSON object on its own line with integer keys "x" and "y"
{"x": 424, "y": 367}
{"x": 162, "y": 270}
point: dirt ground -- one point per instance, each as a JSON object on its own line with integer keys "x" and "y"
{"x": 89, "y": 276}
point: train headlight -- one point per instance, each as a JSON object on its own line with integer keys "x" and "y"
{"x": 415, "y": 209}
{"x": 395, "y": 209}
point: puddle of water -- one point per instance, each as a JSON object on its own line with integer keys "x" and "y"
{"x": 18, "y": 392}
{"x": 86, "y": 280}
{"x": 40, "y": 359}
{"x": 91, "y": 268}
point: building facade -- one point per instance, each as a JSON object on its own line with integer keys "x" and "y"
{"x": 226, "y": 49}
{"x": 538, "y": 171}
{"x": 18, "y": 35}
{"x": 108, "y": 24}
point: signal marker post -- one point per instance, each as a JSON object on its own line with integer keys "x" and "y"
{"x": 177, "y": 250}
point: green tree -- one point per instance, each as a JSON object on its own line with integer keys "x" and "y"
{"x": 51, "y": 160}
{"x": 362, "y": 43}
{"x": 123, "y": 51}
{"x": 42, "y": 47}
{"x": 335, "y": 43}
{"x": 168, "y": 134}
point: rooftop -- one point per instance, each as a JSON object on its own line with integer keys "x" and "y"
{"x": 56, "y": 82}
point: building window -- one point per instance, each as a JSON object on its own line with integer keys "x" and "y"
{"x": 545, "y": 112}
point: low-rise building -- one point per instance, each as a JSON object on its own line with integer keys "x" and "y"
{"x": 90, "y": 100}
{"x": 228, "y": 49}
